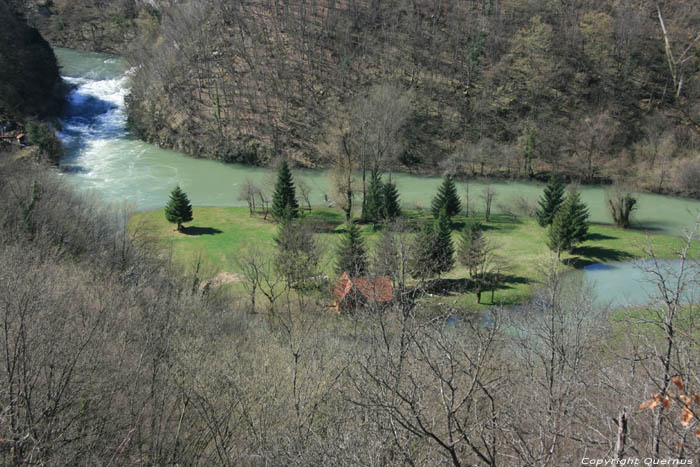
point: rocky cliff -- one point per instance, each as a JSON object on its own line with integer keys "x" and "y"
{"x": 30, "y": 84}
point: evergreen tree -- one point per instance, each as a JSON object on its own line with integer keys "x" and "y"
{"x": 284, "y": 201}
{"x": 373, "y": 204}
{"x": 392, "y": 206}
{"x": 178, "y": 210}
{"x": 421, "y": 264}
{"x": 570, "y": 225}
{"x": 560, "y": 234}
{"x": 297, "y": 252}
{"x": 579, "y": 217}
{"x": 434, "y": 250}
{"x": 551, "y": 201}
{"x": 471, "y": 247}
{"x": 447, "y": 198}
{"x": 443, "y": 247}
{"x": 352, "y": 254}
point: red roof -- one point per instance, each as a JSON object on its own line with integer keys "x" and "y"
{"x": 342, "y": 286}
{"x": 377, "y": 289}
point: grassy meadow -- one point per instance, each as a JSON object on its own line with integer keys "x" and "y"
{"x": 217, "y": 235}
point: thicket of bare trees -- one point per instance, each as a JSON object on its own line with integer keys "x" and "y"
{"x": 112, "y": 356}
{"x": 500, "y": 88}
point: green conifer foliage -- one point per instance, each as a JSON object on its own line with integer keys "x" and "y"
{"x": 434, "y": 250}
{"x": 551, "y": 201}
{"x": 178, "y": 210}
{"x": 570, "y": 225}
{"x": 284, "y": 201}
{"x": 560, "y": 232}
{"x": 443, "y": 248}
{"x": 446, "y": 198}
{"x": 421, "y": 263}
{"x": 579, "y": 217}
{"x": 373, "y": 205}
{"x": 352, "y": 254}
{"x": 392, "y": 205}
{"x": 471, "y": 247}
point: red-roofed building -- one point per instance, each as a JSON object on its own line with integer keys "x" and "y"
{"x": 352, "y": 292}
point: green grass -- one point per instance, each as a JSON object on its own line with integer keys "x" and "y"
{"x": 218, "y": 234}
{"x": 645, "y": 324}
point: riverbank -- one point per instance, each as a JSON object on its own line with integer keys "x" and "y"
{"x": 219, "y": 235}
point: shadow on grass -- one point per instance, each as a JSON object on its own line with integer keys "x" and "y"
{"x": 331, "y": 217}
{"x": 587, "y": 255}
{"x": 597, "y": 236}
{"x": 465, "y": 285}
{"x": 195, "y": 231}
{"x": 648, "y": 227}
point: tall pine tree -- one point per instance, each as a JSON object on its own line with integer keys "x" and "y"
{"x": 284, "y": 200}
{"x": 392, "y": 206}
{"x": 421, "y": 264}
{"x": 434, "y": 250}
{"x": 570, "y": 225}
{"x": 178, "y": 210}
{"x": 560, "y": 234}
{"x": 443, "y": 248}
{"x": 352, "y": 254}
{"x": 373, "y": 204}
{"x": 579, "y": 217}
{"x": 551, "y": 201}
{"x": 446, "y": 198}
{"x": 471, "y": 247}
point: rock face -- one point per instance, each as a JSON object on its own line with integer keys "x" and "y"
{"x": 94, "y": 25}
{"x": 30, "y": 84}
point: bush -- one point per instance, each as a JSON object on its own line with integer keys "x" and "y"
{"x": 47, "y": 141}
{"x": 688, "y": 178}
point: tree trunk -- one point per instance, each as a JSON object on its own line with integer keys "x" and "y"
{"x": 621, "y": 434}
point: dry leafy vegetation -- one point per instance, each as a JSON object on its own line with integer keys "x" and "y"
{"x": 499, "y": 88}
{"x": 112, "y": 355}
{"x": 507, "y": 88}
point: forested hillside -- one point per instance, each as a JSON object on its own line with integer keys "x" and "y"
{"x": 490, "y": 87}
{"x": 483, "y": 87}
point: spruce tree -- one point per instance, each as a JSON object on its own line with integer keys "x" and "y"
{"x": 352, "y": 254}
{"x": 284, "y": 201}
{"x": 551, "y": 201}
{"x": 570, "y": 225}
{"x": 178, "y": 210}
{"x": 560, "y": 234}
{"x": 373, "y": 204}
{"x": 434, "y": 250}
{"x": 471, "y": 247}
{"x": 392, "y": 206}
{"x": 443, "y": 248}
{"x": 579, "y": 217}
{"x": 447, "y": 198}
{"x": 421, "y": 264}
{"x": 297, "y": 252}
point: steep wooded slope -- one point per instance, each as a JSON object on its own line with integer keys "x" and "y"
{"x": 495, "y": 87}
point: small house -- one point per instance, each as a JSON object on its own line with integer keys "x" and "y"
{"x": 350, "y": 293}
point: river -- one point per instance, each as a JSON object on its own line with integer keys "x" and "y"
{"x": 102, "y": 157}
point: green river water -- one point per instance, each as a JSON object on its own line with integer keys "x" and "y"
{"x": 120, "y": 169}
{"x": 102, "y": 157}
